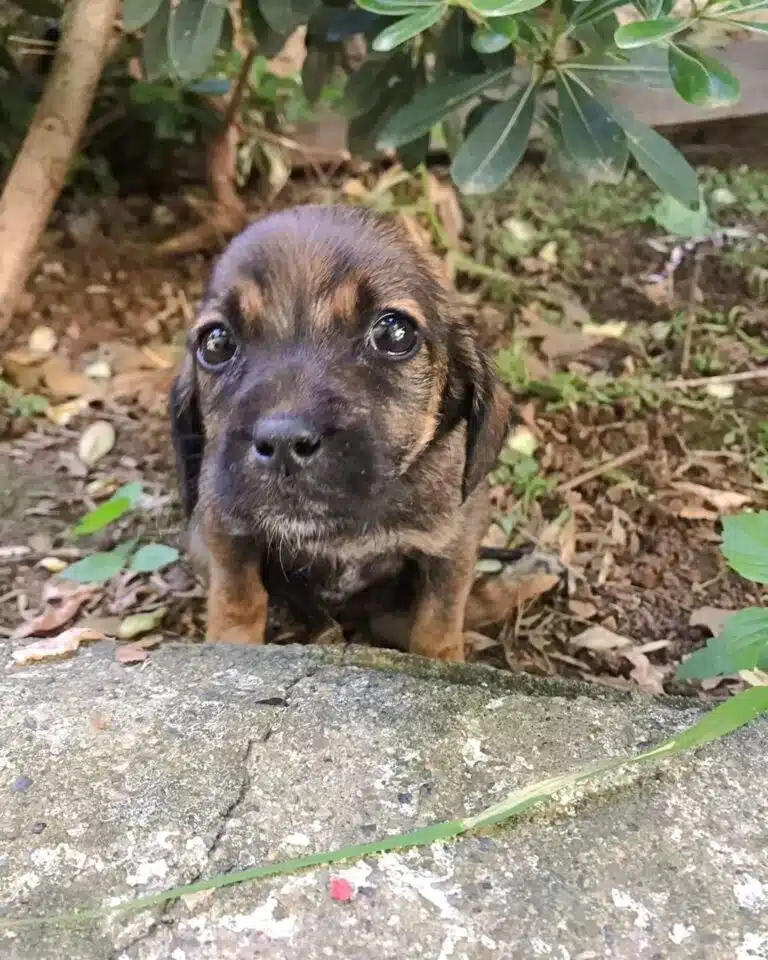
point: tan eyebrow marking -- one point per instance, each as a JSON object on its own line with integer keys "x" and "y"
{"x": 250, "y": 297}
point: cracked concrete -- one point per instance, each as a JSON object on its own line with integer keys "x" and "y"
{"x": 118, "y": 782}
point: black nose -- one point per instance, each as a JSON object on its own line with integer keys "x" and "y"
{"x": 285, "y": 442}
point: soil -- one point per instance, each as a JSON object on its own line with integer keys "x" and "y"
{"x": 643, "y": 544}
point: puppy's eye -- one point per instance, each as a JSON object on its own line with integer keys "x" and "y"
{"x": 395, "y": 335}
{"x": 216, "y": 346}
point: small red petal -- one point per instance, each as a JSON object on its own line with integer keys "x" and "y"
{"x": 341, "y": 889}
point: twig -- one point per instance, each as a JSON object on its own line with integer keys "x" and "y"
{"x": 691, "y": 316}
{"x": 741, "y": 377}
{"x": 602, "y": 468}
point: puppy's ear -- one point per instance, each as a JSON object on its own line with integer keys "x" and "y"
{"x": 187, "y": 432}
{"x": 487, "y": 410}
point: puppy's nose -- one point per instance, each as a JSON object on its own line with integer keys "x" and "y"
{"x": 285, "y": 442}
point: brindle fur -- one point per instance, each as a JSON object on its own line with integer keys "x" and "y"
{"x": 382, "y": 536}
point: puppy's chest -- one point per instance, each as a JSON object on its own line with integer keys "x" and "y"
{"x": 313, "y": 588}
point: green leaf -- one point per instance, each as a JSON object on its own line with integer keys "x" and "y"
{"x": 701, "y": 80}
{"x": 406, "y": 29}
{"x": 455, "y": 53}
{"x": 660, "y": 161}
{"x": 741, "y": 645}
{"x": 366, "y": 86}
{"x": 154, "y": 44}
{"x": 194, "y": 32}
{"x": 412, "y": 155}
{"x": 97, "y": 568}
{"x": 675, "y": 218}
{"x": 646, "y": 66}
{"x": 591, "y": 135}
{"x": 40, "y": 8}
{"x": 316, "y": 70}
{"x": 644, "y": 32}
{"x": 595, "y": 10}
{"x": 488, "y": 40}
{"x": 395, "y": 8}
{"x": 137, "y": 13}
{"x": 433, "y": 104}
{"x": 153, "y": 556}
{"x": 503, "y": 8}
{"x": 122, "y": 500}
{"x": 758, "y": 26}
{"x": 496, "y": 146}
{"x": 724, "y": 719}
{"x": 284, "y": 16}
{"x": 745, "y": 544}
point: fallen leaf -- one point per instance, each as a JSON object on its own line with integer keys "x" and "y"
{"x": 42, "y": 341}
{"x": 614, "y": 328}
{"x": 53, "y": 564}
{"x": 582, "y": 609}
{"x": 138, "y": 623}
{"x": 720, "y": 391}
{"x": 697, "y": 513}
{"x": 755, "y": 678}
{"x": 62, "y": 414}
{"x": 548, "y": 253}
{"x": 130, "y": 653}
{"x": 95, "y": 442}
{"x": 53, "y": 617}
{"x": 62, "y": 382}
{"x": 599, "y": 640}
{"x": 724, "y": 501}
{"x": 98, "y": 370}
{"x": 14, "y": 552}
{"x": 54, "y": 648}
{"x": 446, "y": 203}
{"x": 645, "y": 674}
{"x": 523, "y": 441}
{"x": 713, "y": 618}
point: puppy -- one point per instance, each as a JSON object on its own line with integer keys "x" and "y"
{"x": 334, "y": 421}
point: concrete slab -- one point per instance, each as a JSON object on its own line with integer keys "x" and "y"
{"x": 118, "y": 781}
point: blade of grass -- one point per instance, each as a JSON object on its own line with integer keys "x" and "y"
{"x": 723, "y": 720}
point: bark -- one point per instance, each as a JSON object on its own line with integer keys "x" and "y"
{"x": 40, "y": 168}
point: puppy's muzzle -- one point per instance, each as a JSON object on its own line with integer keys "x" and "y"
{"x": 285, "y": 444}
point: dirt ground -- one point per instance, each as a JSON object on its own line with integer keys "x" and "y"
{"x": 630, "y": 474}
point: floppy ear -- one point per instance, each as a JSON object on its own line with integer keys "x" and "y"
{"x": 488, "y": 412}
{"x": 187, "y": 433}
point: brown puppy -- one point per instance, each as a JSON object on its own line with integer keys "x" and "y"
{"x": 334, "y": 422}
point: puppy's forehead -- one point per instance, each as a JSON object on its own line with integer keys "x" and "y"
{"x": 322, "y": 266}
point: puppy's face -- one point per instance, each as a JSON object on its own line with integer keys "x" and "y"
{"x": 324, "y": 373}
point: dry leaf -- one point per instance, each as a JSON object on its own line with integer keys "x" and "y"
{"x": 522, "y": 441}
{"x": 42, "y": 341}
{"x": 62, "y": 414}
{"x": 548, "y": 253}
{"x": 645, "y": 674}
{"x": 53, "y": 564}
{"x": 62, "y": 382}
{"x": 582, "y": 609}
{"x": 713, "y": 618}
{"x": 54, "y": 648}
{"x": 614, "y": 329}
{"x": 446, "y": 203}
{"x": 723, "y": 501}
{"x": 599, "y": 640}
{"x": 53, "y": 618}
{"x": 98, "y": 370}
{"x": 131, "y": 653}
{"x": 138, "y": 623}
{"x": 755, "y": 678}
{"x": 96, "y": 441}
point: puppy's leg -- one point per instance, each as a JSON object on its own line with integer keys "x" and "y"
{"x": 438, "y": 625}
{"x": 237, "y": 600}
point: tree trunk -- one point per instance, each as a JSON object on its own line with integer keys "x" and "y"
{"x": 41, "y": 166}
